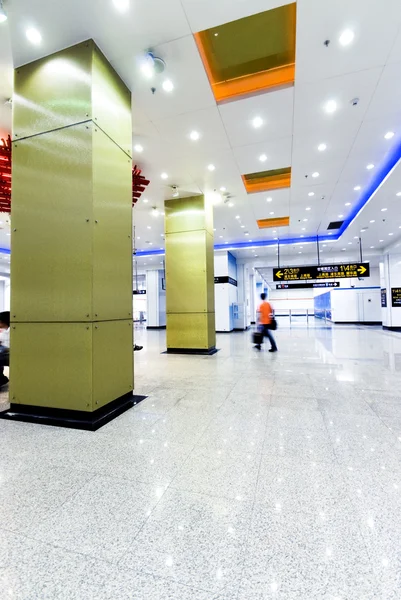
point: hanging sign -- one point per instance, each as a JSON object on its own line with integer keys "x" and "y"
{"x": 396, "y": 297}
{"x": 384, "y": 297}
{"x": 299, "y": 286}
{"x": 322, "y": 272}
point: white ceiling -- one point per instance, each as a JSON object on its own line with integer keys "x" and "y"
{"x": 295, "y": 121}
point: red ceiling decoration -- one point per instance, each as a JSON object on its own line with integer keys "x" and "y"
{"x": 5, "y": 175}
{"x": 139, "y": 184}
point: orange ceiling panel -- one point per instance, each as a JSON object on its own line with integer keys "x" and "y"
{"x": 267, "y": 180}
{"x": 277, "y": 222}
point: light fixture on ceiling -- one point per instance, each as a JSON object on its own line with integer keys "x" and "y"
{"x": 237, "y": 217}
{"x": 303, "y": 229}
{"x": 155, "y": 212}
{"x": 121, "y": 5}
{"x": 271, "y": 213}
{"x": 242, "y": 226}
{"x": 308, "y": 208}
{"x": 348, "y": 204}
{"x": 145, "y": 200}
{"x": 330, "y": 107}
{"x": 347, "y": 37}
{"x": 384, "y": 209}
{"x": 164, "y": 176}
{"x": 211, "y": 167}
{"x": 263, "y": 158}
{"x": 305, "y": 220}
{"x": 381, "y": 241}
{"x": 391, "y": 233}
{"x": 33, "y": 35}
{"x": 223, "y": 189}
{"x": 357, "y": 188}
{"x": 370, "y": 166}
{"x": 349, "y": 243}
{"x": 149, "y": 227}
{"x": 3, "y": 14}
{"x": 315, "y": 175}
{"x": 371, "y": 247}
{"x": 322, "y": 147}
{"x": 138, "y": 148}
{"x": 246, "y": 233}
{"x": 372, "y": 221}
{"x": 231, "y": 204}
{"x": 151, "y": 65}
{"x": 168, "y": 85}
{"x": 257, "y": 122}
{"x": 311, "y": 194}
{"x": 194, "y": 135}
{"x": 340, "y": 216}
{"x": 398, "y": 194}
{"x": 389, "y": 135}
{"x": 269, "y": 199}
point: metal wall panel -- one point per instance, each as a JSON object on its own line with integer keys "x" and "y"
{"x": 112, "y": 241}
{"x": 185, "y": 214}
{"x": 53, "y": 92}
{"x": 111, "y": 102}
{"x": 51, "y": 365}
{"x": 188, "y": 331}
{"x": 112, "y": 361}
{"x": 51, "y": 242}
{"x": 186, "y": 286}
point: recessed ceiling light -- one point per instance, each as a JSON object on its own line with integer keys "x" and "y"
{"x": 168, "y": 85}
{"x": 223, "y": 189}
{"x": 257, "y": 122}
{"x": 384, "y": 209}
{"x": 149, "y": 227}
{"x": 263, "y": 158}
{"x": 305, "y": 220}
{"x": 356, "y": 237}
{"x": 348, "y": 204}
{"x": 246, "y": 233}
{"x": 311, "y": 194}
{"x": 231, "y": 204}
{"x": 371, "y": 247}
{"x": 331, "y": 106}
{"x": 164, "y": 176}
{"x": 194, "y": 135}
{"x": 381, "y": 240}
{"x": 308, "y": 208}
{"x": 138, "y": 148}
{"x": 357, "y": 188}
{"x": 389, "y": 135}
{"x": 398, "y": 194}
{"x": 121, "y": 5}
{"x": 303, "y": 229}
{"x": 346, "y": 37}
{"x": 315, "y": 174}
{"x": 372, "y": 221}
{"x": 211, "y": 167}
{"x": 391, "y": 233}
{"x": 349, "y": 243}
{"x": 221, "y": 237}
{"x": 237, "y": 217}
{"x": 145, "y": 200}
{"x": 322, "y": 147}
{"x": 33, "y": 36}
{"x": 274, "y": 230}
{"x": 242, "y": 226}
{"x": 370, "y": 166}
{"x": 340, "y": 216}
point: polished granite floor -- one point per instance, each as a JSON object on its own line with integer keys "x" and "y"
{"x": 243, "y": 476}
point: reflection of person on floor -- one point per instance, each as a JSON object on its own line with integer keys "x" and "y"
{"x": 4, "y": 345}
{"x": 265, "y": 312}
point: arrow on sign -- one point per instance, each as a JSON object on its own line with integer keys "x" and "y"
{"x": 362, "y": 270}
{"x": 279, "y": 274}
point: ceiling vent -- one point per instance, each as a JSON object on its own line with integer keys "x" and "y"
{"x": 335, "y": 225}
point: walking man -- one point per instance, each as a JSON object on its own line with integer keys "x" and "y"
{"x": 265, "y": 312}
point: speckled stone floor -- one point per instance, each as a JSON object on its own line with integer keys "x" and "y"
{"x": 243, "y": 476}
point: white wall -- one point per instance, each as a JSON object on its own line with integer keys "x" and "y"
{"x": 285, "y": 300}
{"x": 225, "y": 294}
{"x": 357, "y": 305}
{"x": 391, "y": 278}
{"x": 156, "y": 299}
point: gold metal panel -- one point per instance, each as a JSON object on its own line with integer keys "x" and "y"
{"x": 210, "y": 272}
{"x": 111, "y": 102}
{"x": 53, "y": 92}
{"x": 51, "y": 365}
{"x": 211, "y": 329}
{"x": 112, "y": 238}
{"x": 51, "y": 258}
{"x": 189, "y": 331}
{"x": 186, "y": 282}
{"x": 112, "y": 361}
{"x": 186, "y": 214}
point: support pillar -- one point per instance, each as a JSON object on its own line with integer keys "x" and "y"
{"x": 190, "y": 276}
{"x": 71, "y": 260}
{"x": 390, "y": 281}
{"x": 156, "y": 299}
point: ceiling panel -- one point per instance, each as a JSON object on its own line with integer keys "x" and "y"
{"x": 277, "y": 152}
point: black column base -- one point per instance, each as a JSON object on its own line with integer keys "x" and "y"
{"x": 72, "y": 419}
{"x": 195, "y": 351}
{"x": 391, "y": 328}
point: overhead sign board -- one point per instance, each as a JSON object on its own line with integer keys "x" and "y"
{"x": 396, "y": 297}
{"x": 298, "y": 286}
{"x": 321, "y": 272}
{"x": 384, "y": 297}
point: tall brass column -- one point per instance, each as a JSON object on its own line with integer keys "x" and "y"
{"x": 71, "y": 259}
{"x": 190, "y": 276}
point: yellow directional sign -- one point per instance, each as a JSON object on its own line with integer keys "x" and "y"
{"x": 318, "y": 272}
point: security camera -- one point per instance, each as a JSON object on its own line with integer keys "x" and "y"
{"x": 355, "y": 101}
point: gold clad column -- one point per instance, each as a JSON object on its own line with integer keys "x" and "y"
{"x": 71, "y": 250}
{"x": 190, "y": 276}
